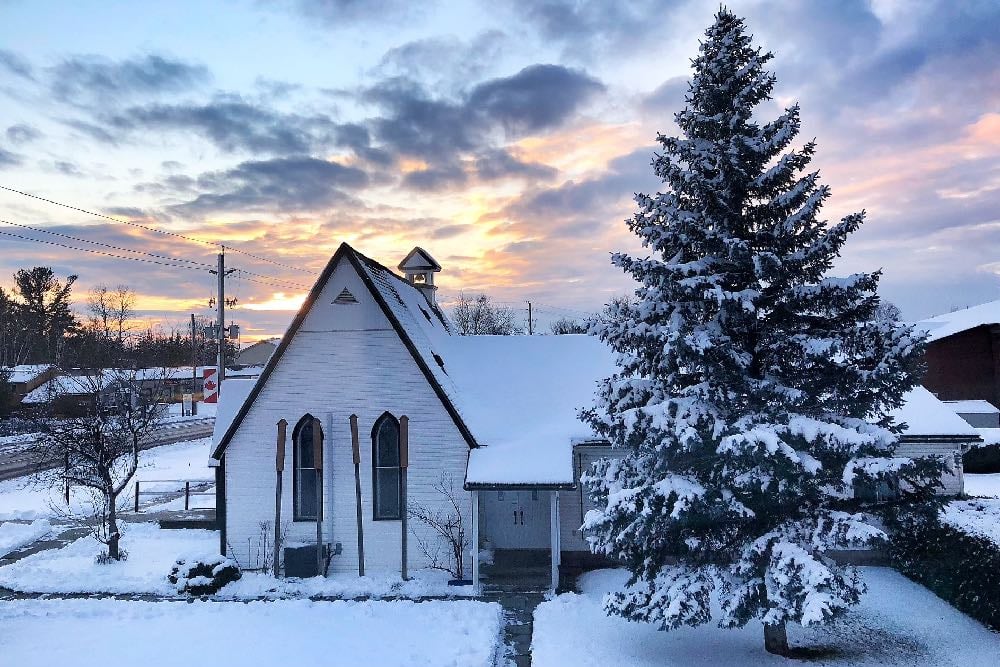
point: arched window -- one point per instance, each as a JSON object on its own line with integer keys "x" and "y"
{"x": 305, "y": 504}
{"x": 386, "y": 478}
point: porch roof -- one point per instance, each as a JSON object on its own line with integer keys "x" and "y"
{"x": 521, "y": 396}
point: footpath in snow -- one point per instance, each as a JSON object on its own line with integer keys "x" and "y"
{"x": 290, "y": 632}
{"x": 898, "y": 622}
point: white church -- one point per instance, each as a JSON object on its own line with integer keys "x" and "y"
{"x": 370, "y": 365}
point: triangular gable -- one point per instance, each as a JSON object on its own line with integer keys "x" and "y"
{"x": 419, "y": 260}
{"x": 355, "y": 258}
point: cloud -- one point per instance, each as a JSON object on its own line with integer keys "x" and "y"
{"x": 92, "y": 79}
{"x": 22, "y": 133}
{"x": 9, "y": 159}
{"x": 232, "y": 125}
{"x": 444, "y": 62}
{"x": 15, "y": 64}
{"x": 283, "y": 184}
{"x": 345, "y": 13}
{"x": 498, "y": 163}
{"x": 441, "y": 131}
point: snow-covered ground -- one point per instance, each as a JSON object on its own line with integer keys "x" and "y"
{"x": 72, "y": 569}
{"x": 897, "y": 623}
{"x": 25, "y": 498}
{"x": 292, "y": 632}
{"x": 174, "y": 412}
{"x": 13, "y": 536}
{"x": 152, "y": 552}
{"x": 985, "y": 485}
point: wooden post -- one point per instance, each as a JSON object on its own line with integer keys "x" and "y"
{"x": 318, "y": 464}
{"x": 279, "y": 467}
{"x": 187, "y": 496}
{"x": 475, "y": 542}
{"x": 136, "y": 496}
{"x": 555, "y": 547}
{"x": 356, "y": 453}
{"x": 66, "y": 478}
{"x": 404, "y": 463}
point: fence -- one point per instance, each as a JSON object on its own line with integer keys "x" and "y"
{"x": 175, "y": 489}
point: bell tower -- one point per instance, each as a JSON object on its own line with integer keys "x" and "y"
{"x": 419, "y": 268}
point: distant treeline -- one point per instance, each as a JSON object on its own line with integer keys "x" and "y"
{"x": 39, "y": 325}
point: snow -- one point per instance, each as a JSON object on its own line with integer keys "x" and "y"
{"x": 231, "y": 399}
{"x": 980, "y": 517}
{"x": 296, "y": 632}
{"x": 520, "y": 397}
{"x": 990, "y": 436}
{"x": 422, "y": 584}
{"x": 972, "y": 407}
{"x": 897, "y": 623}
{"x": 982, "y": 485}
{"x": 27, "y": 498}
{"x": 72, "y": 569}
{"x": 13, "y": 536}
{"x": 925, "y": 414}
{"x": 949, "y": 324}
{"x": 67, "y": 384}
{"x": 25, "y": 372}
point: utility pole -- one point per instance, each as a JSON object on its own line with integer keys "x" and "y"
{"x": 221, "y": 305}
{"x": 194, "y": 368}
{"x": 531, "y": 328}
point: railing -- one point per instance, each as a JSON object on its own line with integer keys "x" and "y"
{"x": 187, "y": 488}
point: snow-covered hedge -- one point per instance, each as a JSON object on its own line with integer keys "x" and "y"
{"x": 203, "y": 576}
{"x": 961, "y": 566}
{"x": 982, "y": 459}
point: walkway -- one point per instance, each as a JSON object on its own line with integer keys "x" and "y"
{"x": 519, "y": 581}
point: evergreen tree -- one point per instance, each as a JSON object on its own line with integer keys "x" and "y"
{"x": 753, "y": 390}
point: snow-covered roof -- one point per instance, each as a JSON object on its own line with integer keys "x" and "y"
{"x": 520, "y": 396}
{"x": 925, "y": 414}
{"x": 972, "y": 407}
{"x": 949, "y": 324}
{"x": 232, "y": 395}
{"x": 25, "y": 372}
{"x": 62, "y": 385}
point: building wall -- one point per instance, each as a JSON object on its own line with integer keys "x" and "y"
{"x": 345, "y": 359}
{"x": 256, "y": 355}
{"x": 954, "y": 482}
{"x": 965, "y": 366}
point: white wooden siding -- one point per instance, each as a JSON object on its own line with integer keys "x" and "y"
{"x": 954, "y": 483}
{"x": 344, "y": 359}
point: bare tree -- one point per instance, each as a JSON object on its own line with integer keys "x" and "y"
{"x": 98, "y": 447}
{"x": 480, "y": 316}
{"x": 111, "y": 310}
{"x": 566, "y": 325}
{"x": 887, "y": 311}
{"x": 447, "y": 523}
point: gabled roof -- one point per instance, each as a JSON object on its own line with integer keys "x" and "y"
{"x": 950, "y": 324}
{"x": 419, "y": 260}
{"x": 399, "y": 301}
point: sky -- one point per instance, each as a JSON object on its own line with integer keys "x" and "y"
{"x": 506, "y": 138}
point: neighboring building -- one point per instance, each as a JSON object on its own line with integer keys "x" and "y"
{"x": 258, "y": 353}
{"x": 72, "y": 395}
{"x": 980, "y": 414}
{"x": 963, "y": 354}
{"x": 495, "y": 414}
{"x": 25, "y": 378}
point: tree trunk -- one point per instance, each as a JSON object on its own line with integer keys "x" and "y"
{"x": 775, "y": 638}
{"x": 113, "y": 550}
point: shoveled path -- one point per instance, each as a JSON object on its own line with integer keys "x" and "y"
{"x": 519, "y": 581}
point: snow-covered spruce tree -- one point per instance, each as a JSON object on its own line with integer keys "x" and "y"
{"x": 753, "y": 390}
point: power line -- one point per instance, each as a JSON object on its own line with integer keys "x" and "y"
{"x": 105, "y": 245}
{"x": 97, "y": 252}
{"x": 274, "y": 278}
{"x": 109, "y": 217}
{"x": 270, "y": 261}
{"x": 273, "y": 284}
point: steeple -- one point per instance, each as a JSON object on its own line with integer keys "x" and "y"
{"x": 419, "y": 268}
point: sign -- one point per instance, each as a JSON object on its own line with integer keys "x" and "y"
{"x": 186, "y": 401}
{"x": 211, "y": 385}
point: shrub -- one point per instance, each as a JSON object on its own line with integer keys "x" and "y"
{"x": 984, "y": 459}
{"x": 203, "y": 576}
{"x": 961, "y": 568}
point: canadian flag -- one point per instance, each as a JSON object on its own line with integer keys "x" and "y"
{"x": 211, "y": 386}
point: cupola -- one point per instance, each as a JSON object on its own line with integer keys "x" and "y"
{"x": 419, "y": 268}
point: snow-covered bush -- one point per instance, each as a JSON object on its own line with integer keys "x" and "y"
{"x": 203, "y": 576}
{"x": 960, "y": 567}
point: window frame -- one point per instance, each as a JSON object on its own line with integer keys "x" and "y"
{"x": 386, "y": 417}
{"x": 296, "y": 512}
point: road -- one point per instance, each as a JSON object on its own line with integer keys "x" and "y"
{"x": 21, "y": 462}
